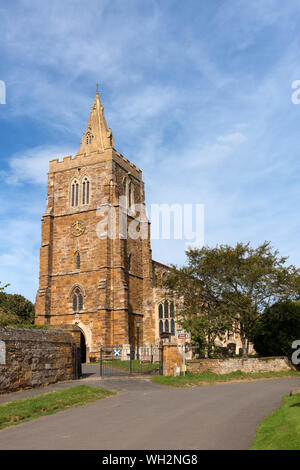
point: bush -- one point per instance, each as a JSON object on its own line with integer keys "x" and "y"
{"x": 7, "y": 319}
{"x": 276, "y": 330}
{"x": 16, "y": 309}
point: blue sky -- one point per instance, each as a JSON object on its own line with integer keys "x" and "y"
{"x": 198, "y": 95}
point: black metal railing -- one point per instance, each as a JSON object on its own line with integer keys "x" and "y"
{"x": 129, "y": 361}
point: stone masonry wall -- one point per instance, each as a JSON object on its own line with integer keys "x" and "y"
{"x": 172, "y": 359}
{"x": 225, "y": 366}
{"x": 30, "y": 358}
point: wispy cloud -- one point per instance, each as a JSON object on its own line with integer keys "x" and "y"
{"x": 197, "y": 95}
{"x": 32, "y": 165}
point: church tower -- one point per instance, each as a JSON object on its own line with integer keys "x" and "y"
{"x": 95, "y": 256}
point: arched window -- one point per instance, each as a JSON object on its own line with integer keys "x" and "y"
{"x": 89, "y": 138}
{"x": 130, "y": 195}
{"x": 172, "y": 327}
{"x": 85, "y": 190}
{"x": 75, "y": 193}
{"x": 77, "y": 260}
{"x": 77, "y": 300}
{"x": 161, "y": 327}
{"x": 167, "y": 326}
{"x": 172, "y": 309}
{"x": 125, "y": 193}
{"x": 160, "y": 311}
{"x": 166, "y": 308}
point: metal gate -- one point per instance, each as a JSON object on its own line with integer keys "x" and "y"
{"x": 129, "y": 360}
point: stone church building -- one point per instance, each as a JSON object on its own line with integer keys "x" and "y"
{"x": 105, "y": 283}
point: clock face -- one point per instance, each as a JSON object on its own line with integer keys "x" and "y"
{"x": 77, "y": 229}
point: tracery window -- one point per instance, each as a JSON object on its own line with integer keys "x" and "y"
{"x": 172, "y": 309}
{"x": 166, "y": 311}
{"x": 125, "y": 193}
{"x": 75, "y": 193}
{"x": 77, "y": 300}
{"x": 85, "y": 190}
{"x": 160, "y": 311}
{"x": 89, "y": 138}
{"x": 173, "y": 327}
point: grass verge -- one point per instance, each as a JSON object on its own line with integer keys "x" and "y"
{"x": 281, "y": 429}
{"x": 19, "y": 411}
{"x": 206, "y": 378}
{"x": 137, "y": 366}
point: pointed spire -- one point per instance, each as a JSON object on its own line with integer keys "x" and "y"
{"x": 97, "y": 136}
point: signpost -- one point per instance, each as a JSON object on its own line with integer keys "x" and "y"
{"x": 183, "y": 355}
{"x": 183, "y": 336}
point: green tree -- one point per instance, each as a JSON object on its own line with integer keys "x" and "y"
{"x": 14, "y": 308}
{"x": 3, "y": 287}
{"x": 200, "y": 318}
{"x": 7, "y": 319}
{"x": 276, "y": 330}
{"x": 19, "y": 306}
{"x": 234, "y": 284}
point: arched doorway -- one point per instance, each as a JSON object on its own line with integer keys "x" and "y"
{"x": 83, "y": 348}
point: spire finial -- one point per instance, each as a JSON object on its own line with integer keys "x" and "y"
{"x": 97, "y": 87}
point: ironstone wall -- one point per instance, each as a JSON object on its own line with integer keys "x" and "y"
{"x": 30, "y": 358}
{"x": 225, "y": 366}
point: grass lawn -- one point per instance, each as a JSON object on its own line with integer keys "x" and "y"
{"x": 205, "y": 378}
{"x": 281, "y": 429}
{"x": 137, "y": 366}
{"x": 19, "y": 411}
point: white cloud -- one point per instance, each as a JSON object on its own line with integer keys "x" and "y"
{"x": 32, "y": 165}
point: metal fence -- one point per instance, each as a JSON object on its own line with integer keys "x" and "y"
{"x": 129, "y": 360}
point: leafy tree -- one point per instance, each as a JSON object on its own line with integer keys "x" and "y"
{"x": 14, "y": 308}
{"x": 276, "y": 330}
{"x": 7, "y": 319}
{"x": 3, "y": 287}
{"x": 201, "y": 319}
{"x": 234, "y": 284}
{"x": 17, "y": 305}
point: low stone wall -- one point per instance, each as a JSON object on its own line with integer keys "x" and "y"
{"x": 225, "y": 366}
{"x": 30, "y": 358}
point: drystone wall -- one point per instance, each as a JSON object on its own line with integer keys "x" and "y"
{"x": 30, "y": 358}
{"x": 225, "y": 366}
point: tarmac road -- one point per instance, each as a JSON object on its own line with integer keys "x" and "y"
{"x": 147, "y": 416}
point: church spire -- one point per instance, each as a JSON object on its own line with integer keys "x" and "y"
{"x": 97, "y": 136}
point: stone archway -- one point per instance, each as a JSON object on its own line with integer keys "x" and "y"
{"x": 83, "y": 348}
{"x": 85, "y": 340}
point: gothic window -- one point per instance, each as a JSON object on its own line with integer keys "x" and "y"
{"x": 172, "y": 309}
{"x": 85, "y": 190}
{"x": 166, "y": 309}
{"x": 89, "y": 138}
{"x": 130, "y": 195}
{"x": 167, "y": 326}
{"x": 160, "y": 311}
{"x": 77, "y": 300}
{"x": 125, "y": 193}
{"x": 75, "y": 193}
{"x": 172, "y": 327}
{"x": 161, "y": 327}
